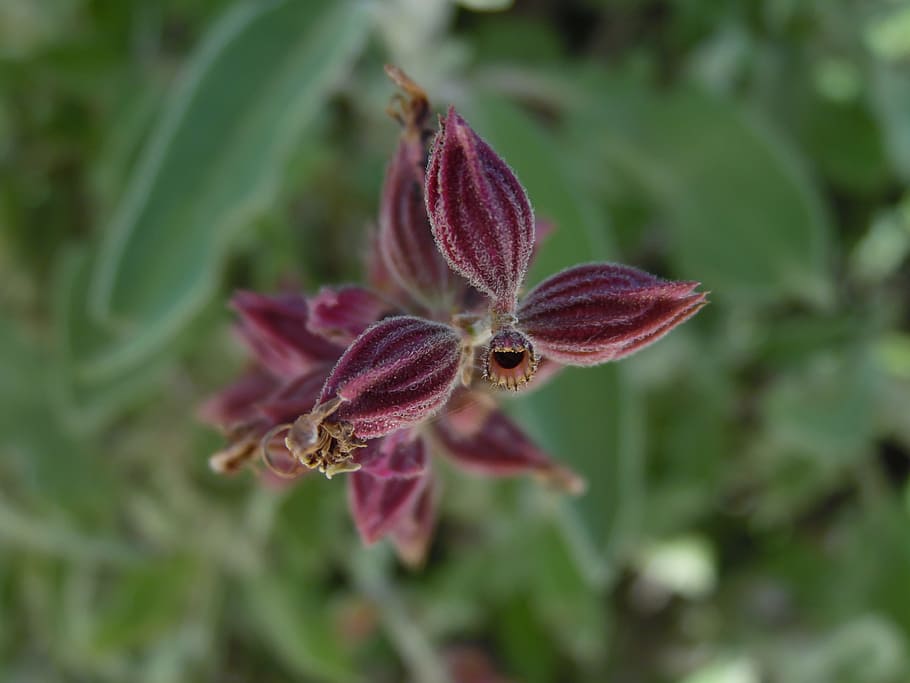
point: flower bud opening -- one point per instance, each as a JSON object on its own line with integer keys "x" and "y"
{"x": 511, "y": 361}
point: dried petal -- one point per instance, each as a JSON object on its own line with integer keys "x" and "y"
{"x": 405, "y": 240}
{"x": 394, "y": 375}
{"x": 275, "y": 327}
{"x": 414, "y": 530}
{"x": 397, "y": 373}
{"x": 480, "y": 214}
{"x": 379, "y": 502}
{"x": 341, "y": 314}
{"x": 481, "y": 439}
{"x": 510, "y": 361}
{"x": 599, "y": 312}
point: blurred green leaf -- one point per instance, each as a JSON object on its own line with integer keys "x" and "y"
{"x": 891, "y": 100}
{"x": 143, "y": 604}
{"x": 294, "y": 621}
{"x": 743, "y": 217}
{"x": 84, "y": 401}
{"x": 215, "y": 159}
{"x": 486, "y": 5}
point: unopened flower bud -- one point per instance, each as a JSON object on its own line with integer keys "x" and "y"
{"x": 480, "y": 214}
{"x": 394, "y": 375}
{"x": 598, "y": 312}
{"x": 405, "y": 240}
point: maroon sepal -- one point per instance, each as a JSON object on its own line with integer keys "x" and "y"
{"x": 413, "y": 532}
{"x": 341, "y": 314}
{"x": 275, "y": 328}
{"x": 598, "y": 312}
{"x": 480, "y": 214}
{"x": 385, "y": 489}
{"x": 481, "y": 439}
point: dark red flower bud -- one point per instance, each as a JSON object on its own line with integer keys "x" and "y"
{"x": 405, "y": 240}
{"x": 275, "y": 327}
{"x": 481, "y": 217}
{"x": 381, "y": 494}
{"x": 510, "y": 361}
{"x": 396, "y": 374}
{"x": 599, "y": 312}
{"x": 341, "y": 314}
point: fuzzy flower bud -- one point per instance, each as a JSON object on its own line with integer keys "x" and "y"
{"x": 479, "y": 212}
{"x": 598, "y": 312}
{"x": 397, "y": 373}
{"x": 405, "y": 240}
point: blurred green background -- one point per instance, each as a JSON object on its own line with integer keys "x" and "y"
{"x": 747, "y": 516}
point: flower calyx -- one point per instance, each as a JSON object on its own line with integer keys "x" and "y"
{"x": 510, "y": 360}
{"x": 315, "y": 443}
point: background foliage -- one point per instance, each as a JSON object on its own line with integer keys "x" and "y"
{"x": 747, "y": 518}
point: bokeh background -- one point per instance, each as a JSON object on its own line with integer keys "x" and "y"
{"x": 748, "y": 514}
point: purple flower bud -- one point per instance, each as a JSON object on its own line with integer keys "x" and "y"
{"x": 510, "y": 361}
{"x": 379, "y": 502}
{"x": 275, "y": 327}
{"x": 341, "y": 314}
{"x": 481, "y": 217}
{"x": 599, "y": 312}
{"x": 405, "y": 240}
{"x": 396, "y": 374}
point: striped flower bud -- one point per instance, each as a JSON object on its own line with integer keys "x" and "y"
{"x": 396, "y": 374}
{"x": 480, "y": 214}
{"x": 405, "y": 241}
{"x": 598, "y": 312}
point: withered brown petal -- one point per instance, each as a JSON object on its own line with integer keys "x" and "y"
{"x": 275, "y": 328}
{"x": 480, "y": 214}
{"x": 405, "y": 240}
{"x": 598, "y": 312}
{"x": 396, "y": 374}
{"x": 482, "y": 439}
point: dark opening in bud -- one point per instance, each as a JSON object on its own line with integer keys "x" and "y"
{"x": 511, "y": 361}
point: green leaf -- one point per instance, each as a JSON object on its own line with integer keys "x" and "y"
{"x": 296, "y": 625}
{"x": 215, "y": 160}
{"x": 891, "y": 101}
{"x": 86, "y": 401}
{"x": 743, "y": 218}
{"x": 143, "y": 604}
